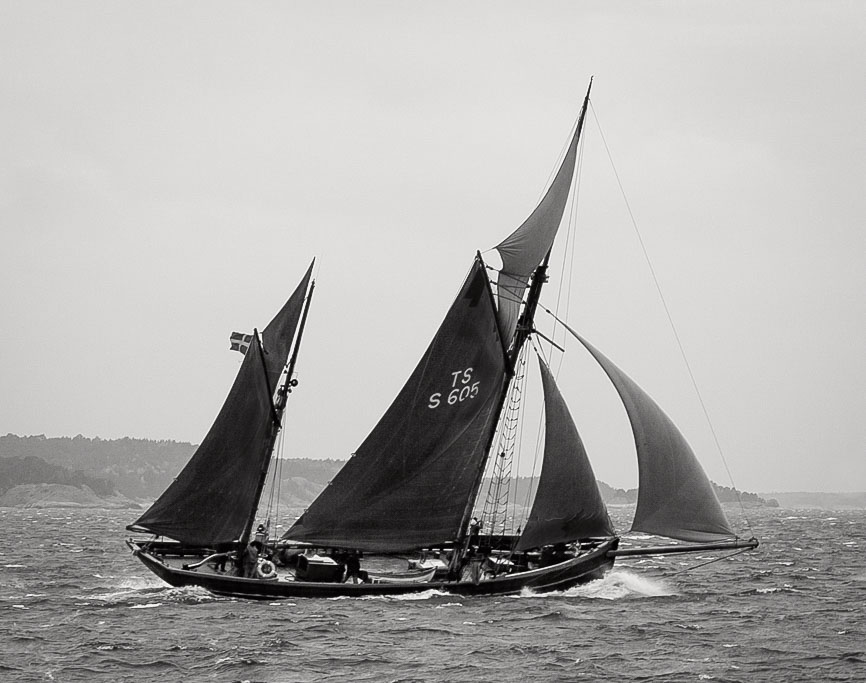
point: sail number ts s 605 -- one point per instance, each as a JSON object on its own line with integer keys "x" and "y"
{"x": 462, "y": 388}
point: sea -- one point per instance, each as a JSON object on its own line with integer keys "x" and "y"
{"x": 76, "y": 606}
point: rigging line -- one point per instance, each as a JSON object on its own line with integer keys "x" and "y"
{"x": 562, "y": 152}
{"x": 520, "y": 429}
{"x": 504, "y": 444}
{"x": 670, "y": 319}
{"x": 553, "y": 171}
{"x": 273, "y": 472}
{"x": 570, "y": 241}
{"x": 715, "y": 559}
{"x": 273, "y": 505}
{"x": 541, "y": 418}
{"x": 279, "y": 477}
{"x": 512, "y": 298}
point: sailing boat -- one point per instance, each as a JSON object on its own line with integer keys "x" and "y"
{"x": 413, "y": 483}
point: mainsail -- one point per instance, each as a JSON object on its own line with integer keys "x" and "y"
{"x": 568, "y": 504}
{"x": 675, "y": 497}
{"x": 409, "y": 482}
{"x": 212, "y": 499}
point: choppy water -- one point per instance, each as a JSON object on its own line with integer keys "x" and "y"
{"x": 76, "y": 606}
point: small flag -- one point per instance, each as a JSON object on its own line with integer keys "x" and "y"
{"x": 240, "y": 342}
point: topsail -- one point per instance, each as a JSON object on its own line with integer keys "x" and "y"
{"x": 523, "y": 250}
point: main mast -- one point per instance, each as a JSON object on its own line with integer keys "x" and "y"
{"x": 525, "y": 327}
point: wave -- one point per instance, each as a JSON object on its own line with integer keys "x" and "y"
{"x": 131, "y": 591}
{"x": 616, "y": 585}
{"x": 409, "y": 597}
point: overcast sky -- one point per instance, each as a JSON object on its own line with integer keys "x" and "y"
{"x": 168, "y": 171}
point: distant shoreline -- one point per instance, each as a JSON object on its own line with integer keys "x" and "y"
{"x": 39, "y": 471}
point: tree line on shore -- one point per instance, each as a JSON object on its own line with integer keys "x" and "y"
{"x": 142, "y": 468}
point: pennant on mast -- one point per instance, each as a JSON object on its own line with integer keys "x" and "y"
{"x": 240, "y": 342}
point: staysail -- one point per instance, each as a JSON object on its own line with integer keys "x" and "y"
{"x": 675, "y": 497}
{"x": 408, "y": 483}
{"x": 568, "y": 504}
{"x": 524, "y": 249}
{"x": 210, "y": 500}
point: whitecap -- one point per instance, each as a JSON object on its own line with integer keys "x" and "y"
{"x": 615, "y": 585}
{"x": 424, "y": 595}
{"x": 146, "y": 605}
{"x": 408, "y": 597}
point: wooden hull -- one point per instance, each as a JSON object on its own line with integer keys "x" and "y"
{"x": 581, "y": 569}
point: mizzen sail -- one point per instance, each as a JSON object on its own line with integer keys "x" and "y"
{"x": 408, "y": 483}
{"x": 210, "y": 500}
{"x": 568, "y": 504}
{"x": 214, "y": 496}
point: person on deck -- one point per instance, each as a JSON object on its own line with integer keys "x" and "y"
{"x": 223, "y": 550}
{"x": 353, "y": 569}
{"x": 250, "y": 559}
{"x": 474, "y": 531}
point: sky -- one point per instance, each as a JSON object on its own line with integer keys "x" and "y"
{"x": 169, "y": 170}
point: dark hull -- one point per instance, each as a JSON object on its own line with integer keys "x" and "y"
{"x": 582, "y": 569}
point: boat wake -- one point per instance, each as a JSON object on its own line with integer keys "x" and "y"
{"x": 624, "y": 584}
{"x": 132, "y": 592}
{"x": 408, "y": 597}
{"x": 617, "y": 585}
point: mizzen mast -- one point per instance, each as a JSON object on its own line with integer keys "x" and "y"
{"x": 278, "y": 407}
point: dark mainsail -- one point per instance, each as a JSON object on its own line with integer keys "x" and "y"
{"x": 568, "y": 504}
{"x": 210, "y": 500}
{"x": 408, "y": 483}
{"x": 675, "y": 497}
